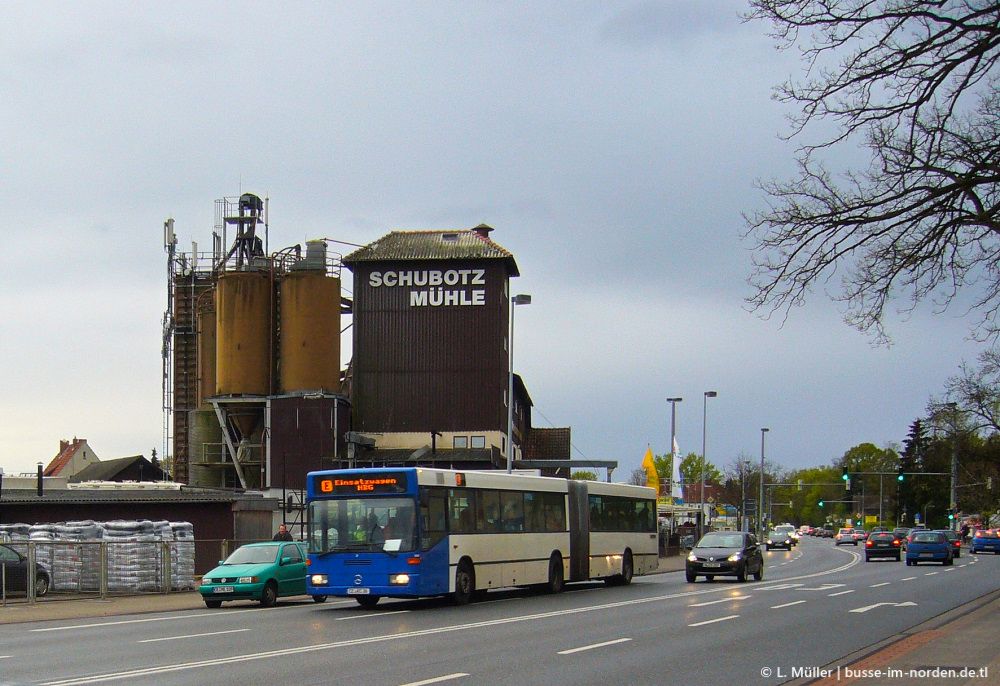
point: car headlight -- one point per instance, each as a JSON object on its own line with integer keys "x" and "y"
{"x": 247, "y": 580}
{"x": 770, "y": 542}
{"x": 735, "y": 557}
{"x": 319, "y": 580}
{"x": 399, "y": 579}
{"x": 692, "y": 558}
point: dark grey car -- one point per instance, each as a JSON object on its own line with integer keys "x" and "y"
{"x": 725, "y": 553}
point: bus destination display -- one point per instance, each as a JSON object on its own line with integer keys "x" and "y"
{"x": 358, "y": 484}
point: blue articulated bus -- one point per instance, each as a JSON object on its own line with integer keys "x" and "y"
{"x": 414, "y": 532}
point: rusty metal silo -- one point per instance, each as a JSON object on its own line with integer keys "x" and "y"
{"x": 309, "y": 349}
{"x": 244, "y": 333}
{"x": 207, "y": 346}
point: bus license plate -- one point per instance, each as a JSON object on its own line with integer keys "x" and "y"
{"x": 222, "y": 589}
{"x": 358, "y": 591}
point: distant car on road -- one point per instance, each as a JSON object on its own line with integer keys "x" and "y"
{"x": 985, "y": 540}
{"x": 790, "y": 530}
{"x": 928, "y": 546}
{"x": 779, "y": 539}
{"x": 845, "y": 536}
{"x": 258, "y": 571}
{"x": 15, "y": 573}
{"x": 955, "y": 539}
{"x": 725, "y": 553}
{"x": 882, "y": 544}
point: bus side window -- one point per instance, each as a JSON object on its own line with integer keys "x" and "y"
{"x": 433, "y": 518}
{"x": 488, "y": 507}
{"x": 512, "y": 503}
{"x": 534, "y": 512}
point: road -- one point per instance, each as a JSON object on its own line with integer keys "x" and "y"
{"x": 816, "y": 604}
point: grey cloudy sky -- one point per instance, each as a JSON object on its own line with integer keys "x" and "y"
{"x": 613, "y": 146}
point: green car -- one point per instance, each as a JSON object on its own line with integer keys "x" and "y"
{"x": 258, "y": 571}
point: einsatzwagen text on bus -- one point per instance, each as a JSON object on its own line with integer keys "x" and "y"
{"x": 413, "y": 532}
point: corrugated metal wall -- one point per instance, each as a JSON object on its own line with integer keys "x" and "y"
{"x": 423, "y": 367}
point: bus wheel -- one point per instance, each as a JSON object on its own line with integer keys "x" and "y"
{"x": 319, "y": 598}
{"x": 556, "y": 577}
{"x": 625, "y": 578}
{"x": 465, "y": 583}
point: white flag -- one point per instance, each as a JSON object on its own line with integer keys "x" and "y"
{"x": 677, "y": 491}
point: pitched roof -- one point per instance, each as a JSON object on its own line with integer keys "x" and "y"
{"x": 455, "y": 244}
{"x": 67, "y": 449}
{"x": 109, "y": 470}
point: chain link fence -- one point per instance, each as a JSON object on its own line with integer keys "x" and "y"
{"x": 72, "y": 570}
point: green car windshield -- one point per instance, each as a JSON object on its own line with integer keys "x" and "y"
{"x": 253, "y": 555}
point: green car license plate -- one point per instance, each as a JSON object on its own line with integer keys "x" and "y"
{"x": 222, "y": 589}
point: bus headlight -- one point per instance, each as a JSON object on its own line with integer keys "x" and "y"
{"x": 399, "y": 579}
{"x": 319, "y": 580}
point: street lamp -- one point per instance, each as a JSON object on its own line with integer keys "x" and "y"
{"x": 673, "y": 441}
{"x": 760, "y": 503}
{"x": 520, "y": 299}
{"x": 704, "y": 432}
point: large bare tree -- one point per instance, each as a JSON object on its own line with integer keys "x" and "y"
{"x": 914, "y": 85}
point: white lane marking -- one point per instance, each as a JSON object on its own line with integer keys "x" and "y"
{"x": 4, "y": 657}
{"x": 200, "y": 615}
{"x": 436, "y": 680}
{"x": 794, "y": 602}
{"x": 780, "y": 587}
{"x": 593, "y": 646}
{"x": 721, "y": 600}
{"x": 909, "y": 578}
{"x": 930, "y": 573}
{"x": 177, "y": 638}
{"x": 713, "y": 621}
{"x": 884, "y": 583}
{"x": 850, "y": 590}
{"x": 373, "y": 614}
{"x": 950, "y": 569}
{"x": 872, "y": 607}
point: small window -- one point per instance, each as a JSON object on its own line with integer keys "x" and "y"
{"x": 460, "y": 442}
{"x": 449, "y": 237}
{"x": 479, "y": 441}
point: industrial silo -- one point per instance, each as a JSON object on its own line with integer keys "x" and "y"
{"x": 309, "y": 349}
{"x": 206, "y": 449}
{"x": 244, "y": 333}
{"x": 207, "y": 346}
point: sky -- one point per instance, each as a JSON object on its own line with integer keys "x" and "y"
{"x": 612, "y": 146}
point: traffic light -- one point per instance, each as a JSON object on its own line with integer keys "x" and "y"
{"x": 821, "y": 503}
{"x": 951, "y": 513}
{"x": 899, "y": 473}
{"x": 845, "y": 475}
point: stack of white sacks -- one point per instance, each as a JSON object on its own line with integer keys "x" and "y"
{"x": 136, "y": 553}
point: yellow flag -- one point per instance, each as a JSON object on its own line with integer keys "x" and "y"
{"x": 652, "y": 478}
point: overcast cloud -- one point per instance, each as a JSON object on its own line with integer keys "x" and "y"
{"x": 613, "y": 146}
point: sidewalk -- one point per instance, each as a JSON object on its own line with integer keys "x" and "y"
{"x": 962, "y": 639}
{"x": 57, "y": 608}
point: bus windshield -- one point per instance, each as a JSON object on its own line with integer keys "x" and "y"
{"x": 363, "y": 524}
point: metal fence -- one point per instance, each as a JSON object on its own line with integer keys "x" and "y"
{"x": 99, "y": 569}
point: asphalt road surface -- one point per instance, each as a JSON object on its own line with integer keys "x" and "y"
{"x": 816, "y": 604}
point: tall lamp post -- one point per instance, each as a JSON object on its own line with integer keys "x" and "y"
{"x": 760, "y": 503}
{"x": 673, "y": 441}
{"x": 704, "y": 433}
{"x": 520, "y": 299}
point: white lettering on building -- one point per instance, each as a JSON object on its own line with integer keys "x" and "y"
{"x": 438, "y": 294}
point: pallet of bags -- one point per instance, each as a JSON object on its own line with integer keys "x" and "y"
{"x": 182, "y": 556}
